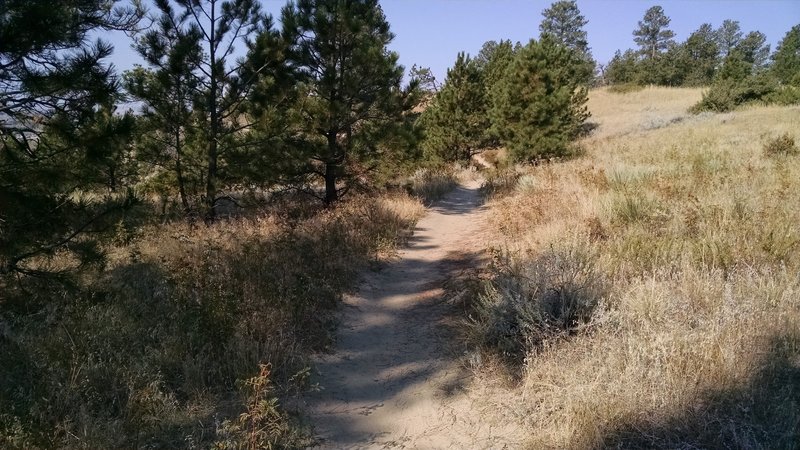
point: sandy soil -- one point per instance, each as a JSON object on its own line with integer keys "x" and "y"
{"x": 394, "y": 380}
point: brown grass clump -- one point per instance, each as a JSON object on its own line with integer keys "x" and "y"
{"x": 192, "y": 336}
{"x": 781, "y": 146}
{"x": 694, "y": 339}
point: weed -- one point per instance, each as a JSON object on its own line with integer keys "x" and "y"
{"x": 782, "y": 145}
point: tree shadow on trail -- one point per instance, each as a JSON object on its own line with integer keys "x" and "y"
{"x": 462, "y": 200}
{"x": 395, "y": 350}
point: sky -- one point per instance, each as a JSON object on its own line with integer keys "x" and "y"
{"x": 430, "y": 33}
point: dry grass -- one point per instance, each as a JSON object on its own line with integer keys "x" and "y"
{"x": 432, "y": 183}
{"x": 192, "y": 336}
{"x": 694, "y": 230}
{"x": 652, "y": 107}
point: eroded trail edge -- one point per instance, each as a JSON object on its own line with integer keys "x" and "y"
{"x": 393, "y": 380}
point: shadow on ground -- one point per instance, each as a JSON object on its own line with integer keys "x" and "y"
{"x": 392, "y": 359}
{"x": 763, "y": 413}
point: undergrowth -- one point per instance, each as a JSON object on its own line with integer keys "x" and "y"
{"x": 192, "y": 336}
{"x": 533, "y": 301}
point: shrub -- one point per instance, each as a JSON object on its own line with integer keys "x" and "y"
{"x": 727, "y": 94}
{"x": 780, "y": 146}
{"x": 500, "y": 182}
{"x": 785, "y": 95}
{"x": 263, "y": 424}
{"x": 530, "y": 302}
{"x": 721, "y": 97}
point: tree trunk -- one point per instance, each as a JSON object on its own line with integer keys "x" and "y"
{"x": 331, "y": 167}
{"x": 211, "y": 178}
{"x": 179, "y": 173}
{"x": 112, "y": 178}
{"x": 331, "y": 194}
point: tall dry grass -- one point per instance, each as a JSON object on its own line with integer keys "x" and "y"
{"x": 432, "y": 183}
{"x": 192, "y": 336}
{"x": 692, "y": 231}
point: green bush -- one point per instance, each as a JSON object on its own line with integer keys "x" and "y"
{"x": 728, "y": 94}
{"x": 785, "y": 95}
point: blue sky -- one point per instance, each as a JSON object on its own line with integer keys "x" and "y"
{"x": 431, "y": 32}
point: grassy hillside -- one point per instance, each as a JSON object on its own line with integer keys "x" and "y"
{"x": 647, "y": 294}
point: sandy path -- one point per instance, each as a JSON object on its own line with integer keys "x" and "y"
{"x": 392, "y": 382}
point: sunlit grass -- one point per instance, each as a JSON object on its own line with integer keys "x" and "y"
{"x": 696, "y": 341}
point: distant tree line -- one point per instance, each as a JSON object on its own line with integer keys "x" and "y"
{"x": 529, "y": 98}
{"x": 737, "y": 66}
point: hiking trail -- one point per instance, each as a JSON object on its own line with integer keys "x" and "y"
{"x": 393, "y": 380}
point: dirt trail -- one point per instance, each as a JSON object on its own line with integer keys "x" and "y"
{"x": 392, "y": 382}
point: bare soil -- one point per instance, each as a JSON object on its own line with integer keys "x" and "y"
{"x": 395, "y": 380}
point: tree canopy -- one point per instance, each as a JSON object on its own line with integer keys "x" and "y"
{"x": 564, "y": 23}
{"x": 354, "y": 81}
{"x": 653, "y": 36}
{"x": 541, "y": 103}
{"x": 55, "y": 92}
{"x": 786, "y": 60}
{"x": 456, "y": 122}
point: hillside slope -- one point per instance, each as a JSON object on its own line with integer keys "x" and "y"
{"x": 673, "y": 248}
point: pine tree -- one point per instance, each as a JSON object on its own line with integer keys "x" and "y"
{"x": 492, "y": 61}
{"x": 786, "y": 59}
{"x": 456, "y": 123}
{"x": 354, "y": 98}
{"x": 427, "y": 81}
{"x": 55, "y": 136}
{"x": 168, "y": 91}
{"x": 702, "y": 56}
{"x": 622, "y": 68}
{"x": 728, "y": 36}
{"x": 541, "y": 104}
{"x": 564, "y": 22}
{"x": 669, "y": 69}
{"x": 497, "y": 56}
{"x": 197, "y": 99}
{"x": 117, "y": 167}
{"x": 754, "y": 49}
{"x": 653, "y": 36}
{"x": 199, "y": 38}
